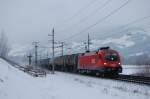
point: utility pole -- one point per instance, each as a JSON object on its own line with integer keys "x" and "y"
{"x": 36, "y": 52}
{"x": 30, "y": 59}
{"x": 85, "y": 46}
{"x": 62, "y": 53}
{"x": 62, "y": 48}
{"x": 88, "y": 42}
{"x": 53, "y": 53}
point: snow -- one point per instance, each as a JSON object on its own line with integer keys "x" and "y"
{"x": 15, "y": 84}
{"x": 137, "y": 54}
{"x": 130, "y": 69}
{"x": 139, "y": 70}
{"x": 122, "y": 42}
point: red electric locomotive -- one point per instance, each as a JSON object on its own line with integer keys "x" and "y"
{"x": 105, "y": 60}
{"x": 102, "y": 61}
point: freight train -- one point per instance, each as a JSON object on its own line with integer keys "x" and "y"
{"x": 103, "y": 61}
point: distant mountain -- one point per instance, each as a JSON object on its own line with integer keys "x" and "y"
{"x": 130, "y": 43}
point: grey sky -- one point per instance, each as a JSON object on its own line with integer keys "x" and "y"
{"x": 25, "y": 21}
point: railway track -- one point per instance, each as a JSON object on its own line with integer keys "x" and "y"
{"x": 132, "y": 79}
{"x": 121, "y": 77}
{"x": 127, "y": 78}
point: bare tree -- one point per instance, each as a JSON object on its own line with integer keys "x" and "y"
{"x": 4, "y": 46}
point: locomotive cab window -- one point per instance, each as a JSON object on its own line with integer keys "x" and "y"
{"x": 111, "y": 57}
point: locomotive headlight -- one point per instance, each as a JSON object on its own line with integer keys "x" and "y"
{"x": 119, "y": 63}
{"x": 105, "y": 63}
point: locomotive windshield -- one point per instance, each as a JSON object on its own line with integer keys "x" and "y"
{"x": 111, "y": 57}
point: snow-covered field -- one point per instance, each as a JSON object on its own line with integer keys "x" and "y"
{"x": 139, "y": 70}
{"x": 15, "y": 84}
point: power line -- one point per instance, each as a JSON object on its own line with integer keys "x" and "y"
{"x": 130, "y": 23}
{"x": 81, "y": 10}
{"x": 78, "y": 12}
{"x": 135, "y": 21}
{"x": 91, "y": 14}
{"x": 99, "y": 21}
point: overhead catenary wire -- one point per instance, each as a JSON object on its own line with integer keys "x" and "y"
{"x": 137, "y": 20}
{"x": 78, "y": 12}
{"x": 86, "y": 17}
{"x": 134, "y": 21}
{"x": 128, "y": 24}
{"x": 99, "y": 21}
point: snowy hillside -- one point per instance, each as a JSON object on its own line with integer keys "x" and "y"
{"x": 15, "y": 84}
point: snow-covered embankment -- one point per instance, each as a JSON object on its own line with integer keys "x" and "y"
{"x": 15, "y": 84}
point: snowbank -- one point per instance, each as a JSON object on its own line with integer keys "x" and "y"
{"x": 15, "y": 84}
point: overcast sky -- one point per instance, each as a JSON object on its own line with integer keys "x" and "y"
{"x": 25, "y": 21}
